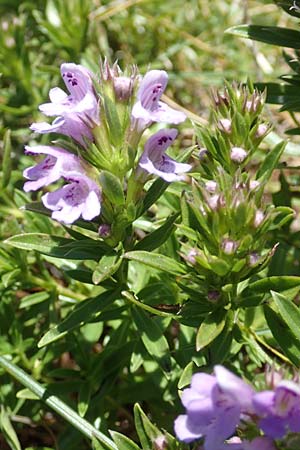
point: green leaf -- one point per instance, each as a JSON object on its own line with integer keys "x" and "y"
{"x": 106, "y": 267}
{"x": 283, "y": 335}
{"x": 8, "y": 431}
{"x": 159, "y": 236}
{"x": 59, "y": 247}
{"x": 270, "y": 162}
{"x": 123, "y": 442}
{"x": 85, "y": 312}
{"x": 84, "y": 398}
{"x": 289, "y": 312}
{"x": 210, "y": 328}
{"x": 152, "y": 337}
{"x": 284, "y": 37}
{"x": 147, "y": 432}
{"x": 112, "y": 118}
{"x": 185, "y": 378}
{"x": 157, "y": 261}
{"x": 33, "y": 299}
{"x": 6, "y": 159}
{"x": 9, "y": 277}
{"x": 112, "y": 188}
{"x": 221, "y": 346}
{"x": 267, "y": 284}
{"x": 279, "y": 93}
{"x": 154, "y": 192}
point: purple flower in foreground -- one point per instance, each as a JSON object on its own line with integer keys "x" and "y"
{"x": 78, "y": 111}
{"x": 214, "y": 404}
{"x": 48, "y": 171}
{"x": 149, "y": 108}
{"x": 156, "y": 162}
{"x": 279, "y": 409}
{"x": 79, "y": 198}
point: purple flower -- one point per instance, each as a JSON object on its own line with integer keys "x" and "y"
{"x": 279, "y": 409}
{"x": 149, "y": 108}
{"x": 156, "y": 162}
{"x": 71, "y": 125}
{"x": 78, "y": 112}
{"x": 214, "y": 404}
{"x": 79, "y": 198}
{"x": 48, "y": 171}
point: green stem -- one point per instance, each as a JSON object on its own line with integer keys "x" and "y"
{"x": 55, "y": 403}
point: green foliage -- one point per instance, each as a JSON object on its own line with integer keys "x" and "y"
{"x": 91, "y": 326}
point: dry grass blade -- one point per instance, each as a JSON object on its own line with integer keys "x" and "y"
{"x": 104, "y": 12}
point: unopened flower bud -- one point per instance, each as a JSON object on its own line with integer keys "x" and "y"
{"x": 261, "y": 130}
{"x": 160, "y": 443}
{"x": 211, "y": 186}
{"x": 213, "y": 296}
{"x": 225, "y": 125}
{"x": 273, "y": 376}
{"x": 259, "y": 217}
{"x": 229, "y": 246}
{"x": 104, "y": 230}
{"x": 191, "y": 255}
{"x": 213, "y": 201}
{"x": 253, "y": 259}
{"x": 123, "y": 87}
{"x": 203, "y": 154}
{"x": 238, "y": 154}
{"x": 253, "y": 184}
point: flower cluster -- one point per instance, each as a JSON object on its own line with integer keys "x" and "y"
{"x": 104, "y": 138}
{"x": 219, "y": 405}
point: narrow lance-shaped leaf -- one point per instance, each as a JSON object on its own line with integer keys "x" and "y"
{"x": 270, "y": 162}
{"x": 159, "y": 236}
{"x": 82, "y": 313}
{"x": 283, "y": 335}
{"x": 289, "y": 312}
{"x": 284, "y": 37}
{"x": 152, "y": 337}
{"x": 157, "y": 261}
{"x": 147, "y": 432}
{"x": 210, "y": 328}
{"x": 6, "y": 161}
{"x": 59, "y": 247}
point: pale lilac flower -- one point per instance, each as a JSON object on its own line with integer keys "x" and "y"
{"x": 48, "y": 171}
{"x": 149, "y": 108}
{"x": 156, "y": 162}
{"x": 79, "y": 198}
{"x": 214, "y": 404}
{"x": 78, "y": 112}
{"x": 279, "y": 409}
